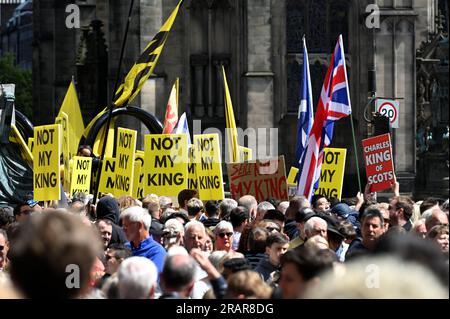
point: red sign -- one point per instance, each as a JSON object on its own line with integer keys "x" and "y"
{"x": 379, "y": 162}
{"x": 262, "y": 179}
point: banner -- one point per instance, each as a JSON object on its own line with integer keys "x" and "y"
{"x": 46, "y": 162}
{"x": 379, "y": 162}
{"x": 209, "y": 167}
{"x": 332, "y": 173}
{"x": 81, "y": 176}
{"x": 263, "y": 179}
{"x": 138, "y": 180}
{"x": 108, "y": 176}
{"x": 165, "y": 164}
{"x": 125, "y": 154}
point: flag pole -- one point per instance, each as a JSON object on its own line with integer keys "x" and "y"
{"x": 356, "y": 153}
{"x": 111, "y": 105}
{"x": 341, "y": 44}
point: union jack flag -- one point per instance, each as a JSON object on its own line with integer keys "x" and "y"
{"x": 334, "y": 104}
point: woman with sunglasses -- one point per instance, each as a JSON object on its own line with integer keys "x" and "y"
{"x": 224, "y": 236}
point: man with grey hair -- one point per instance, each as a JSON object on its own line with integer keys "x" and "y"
{"x": 249, "y": 202}
{"x": 434, "y": 216}
{"x": 225, "y": 208}
{"x": 316, "y": 226}
{"x": 194, "y": 235}
{"x": 261, "y": 210}
{"x": 136, "y": 223}
{"x": 137, "y": 278}
{"x": 178, "y": 276}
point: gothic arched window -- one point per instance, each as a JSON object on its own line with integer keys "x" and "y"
{"x": 321, "y": 21}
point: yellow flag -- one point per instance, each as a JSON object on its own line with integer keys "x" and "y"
{"x": 99, "y": 140}
{"x": 171, "y": 118}
{"x": 144, "y": 66}
{"x": 75, "y": 127}
{"x": 231, "y": 131}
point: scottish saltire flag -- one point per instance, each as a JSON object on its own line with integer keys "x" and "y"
{"x": 305, "y": 109}
{"x": 334, "y": 104}
{"x": 182, "y": 127}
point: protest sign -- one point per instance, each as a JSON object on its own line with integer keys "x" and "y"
{"x": 81, "y": 175}
{"x": 292, "y": 177}
{"x": 209, "y": 167}
{"x": 379, "y": 162}
{"x": 108, "y": 176}
{"x": 125, "y": 154}
{"x": 332, "y": 173}
{"x": 138, "y": 186}
{"x": 263, "y": 179}
{"x": 46, "y": 152}
{"x": 192, "y": 169}
{"x": 165, "y": 164}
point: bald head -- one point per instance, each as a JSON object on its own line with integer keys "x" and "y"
{"x": 316, "y": 226}
{"x": 178, "y": 274}
{"x": 249, "y": 202}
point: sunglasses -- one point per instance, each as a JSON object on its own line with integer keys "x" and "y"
{"x": 222, "y": 235}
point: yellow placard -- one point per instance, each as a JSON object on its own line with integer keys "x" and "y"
{"x": 166, "y": 164}
{"x": 108, "y": 176}
{"x": 138, "y": 187}
{"x": 332, "y": 173}
{"x": 192, "y": 169}
{"x": 292, "y": 176}
{"x": 209, "y": 167}
{"x": 46, "y": 152}
{"x": 125, "y": 154}
{"x": 81, "y": 175}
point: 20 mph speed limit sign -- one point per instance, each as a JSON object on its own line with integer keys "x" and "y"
{"x": 390, "y": 109}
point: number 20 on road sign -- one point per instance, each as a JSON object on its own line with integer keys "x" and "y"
{"x": 390, "y": 109}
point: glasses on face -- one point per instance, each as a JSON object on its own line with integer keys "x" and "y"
{"x": 2, "y": 247}
{"x": 222, "y": 235}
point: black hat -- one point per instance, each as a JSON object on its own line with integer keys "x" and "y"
{"x": 304, "y": 214}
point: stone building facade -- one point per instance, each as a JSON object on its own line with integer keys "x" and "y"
{"x": 259, "y": 43}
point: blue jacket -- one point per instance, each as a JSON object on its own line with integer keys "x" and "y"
{"x": 150, "y": 249}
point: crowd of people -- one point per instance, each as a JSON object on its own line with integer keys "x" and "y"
{"x": 164, "y": 247}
